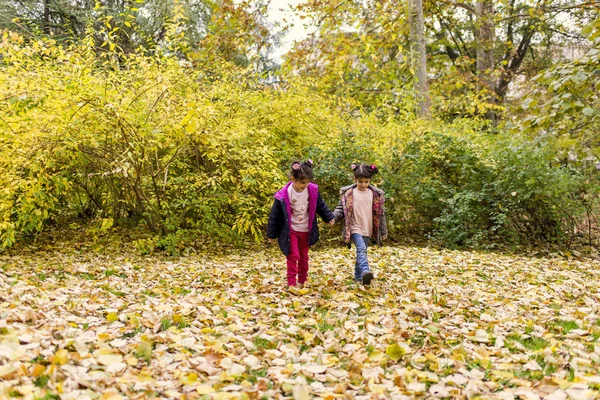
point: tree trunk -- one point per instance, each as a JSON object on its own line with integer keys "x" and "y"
{"x": 514, "y": 61}
{"x": 46, "y": 22}
{"x": 485, "y": 52}
{"x": 419, "y": 55}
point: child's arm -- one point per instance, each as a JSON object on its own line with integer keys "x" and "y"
{"x": 276, "y": 221}
{"x": 323, "y": 210}
{"x": 338, "y": 213}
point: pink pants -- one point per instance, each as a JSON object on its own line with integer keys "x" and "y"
{"x": 297, "y": 260}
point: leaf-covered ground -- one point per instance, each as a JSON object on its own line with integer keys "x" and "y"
{"x": 436, "y": 323}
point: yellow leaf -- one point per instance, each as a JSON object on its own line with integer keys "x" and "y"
{"x": 37, "y": 370}
{"x": 61, "y": 357}
{"x": 189, "y": 379}
{"x": 108, "y": 359}
{"x": 103, "y": 337}
{"x": 395, "y": 352}
{"x": 502, "y": 374}
{"x": 205, "y": 389}
{"x": 376, "y": 356}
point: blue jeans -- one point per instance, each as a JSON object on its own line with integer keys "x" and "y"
{"x": 362, "y": 264}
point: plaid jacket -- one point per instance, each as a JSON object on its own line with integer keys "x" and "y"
{"x": 345, "y": 211}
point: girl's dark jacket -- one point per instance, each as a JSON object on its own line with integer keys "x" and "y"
{"x": 345, "y": 211}
{"x": 280, "y": 223}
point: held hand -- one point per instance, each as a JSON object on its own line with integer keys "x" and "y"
{"x": 384, "y": 237}
{"x": 271, "y": 241}
{"x": 332, "y": 222}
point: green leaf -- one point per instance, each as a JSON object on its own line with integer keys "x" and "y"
{"x": 395, "y": 352}
{"x": 588, "y": 111}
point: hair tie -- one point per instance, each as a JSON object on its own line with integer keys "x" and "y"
{"x": 296, "y": 166}
{"x": 353, "y": 166}
{"x": 372, "y": 166}
{"x": 309, "y": 162}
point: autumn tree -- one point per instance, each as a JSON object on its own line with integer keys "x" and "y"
{"x": 511, "y": 39}
{"x": 419, "y": 55}
{"x": 234, "y": 31}
{"x": 357, "y": 49}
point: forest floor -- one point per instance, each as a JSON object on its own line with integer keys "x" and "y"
{"x": 111, "y": 324}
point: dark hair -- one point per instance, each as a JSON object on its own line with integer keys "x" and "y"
{"x": 302, "y": 170}
{"x": 364, "y": 170}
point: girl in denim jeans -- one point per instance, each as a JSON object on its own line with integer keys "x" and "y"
{"x": 361, "y": 207}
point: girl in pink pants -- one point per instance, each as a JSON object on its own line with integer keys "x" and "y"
{"x": 293, "y": 220}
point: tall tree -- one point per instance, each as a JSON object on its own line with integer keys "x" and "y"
{"x": 485, "y": 51}
{"x": 232, "y": 30}
{"x": 529, "y": 35}
{"x": 419, "y": 55}
{"x": 358, "y": 49}
{"x": 46, "y": 21}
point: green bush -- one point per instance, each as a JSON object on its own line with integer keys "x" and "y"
{"x": 535, "y": 199}
{"x": 152, "y": 141}
{"x": 429, "y": 173}
{"x": 461, "y": 193}
{"x": 147, "y": 140}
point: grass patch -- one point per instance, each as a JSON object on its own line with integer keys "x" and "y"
{"x": 144, "y": 351}
{"x": 563, "y": 326}
{"x": 303, "y": 348}
{"x": 41, "y": 381}
{"x": 49, "y": 396}
{"x": 530, "y": 343}
{"x": 87, "y": 276}
{"x": 165, "y": 324}
{"x": 132, "y": 333}
{"x": 264, "y": 344}
{"x": 556, "y": 307}
{"x": 418, "y": 340}
{"x": 253, "y": 377}
{"x": 180, "y": 321}
{"x": 40, "y": 360}
{"x": 324, "y": 327}
{"x": 181, "y": 291}
{"x": 530, "y": 375}
{"x": 117, "y": 293}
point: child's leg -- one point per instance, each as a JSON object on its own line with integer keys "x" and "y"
{"x": 357, "y": 265}
{"x": 356, "y": 271}
{"x": 361, "y": 254}
{"x": 367, "y": 275}
{"x": 362, "y": 263}
{"x": 292, "y": 259}
{"x": 303, "y": 259}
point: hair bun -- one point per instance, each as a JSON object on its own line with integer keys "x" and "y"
{"x": 354, "y": 166}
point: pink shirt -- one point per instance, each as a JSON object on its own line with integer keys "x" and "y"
{"x": 299, "y": 206}
{"x": 362, "y": 222}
